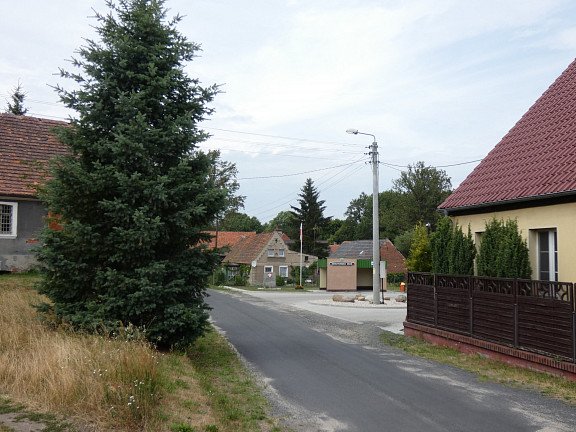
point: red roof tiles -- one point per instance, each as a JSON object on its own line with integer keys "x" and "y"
{"x": 248, "y": 249}
{"x": 536, "y": 158}
{"x": 228, "y": 238}
{"x": 26, "y": 143}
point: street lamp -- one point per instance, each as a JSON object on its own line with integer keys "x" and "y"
{"x": 375, "y": 221}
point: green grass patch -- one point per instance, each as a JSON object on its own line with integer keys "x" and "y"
{"x": 486, "y": 369}
{"x": 51, "y": 422}
{"x": 233, "y": 391}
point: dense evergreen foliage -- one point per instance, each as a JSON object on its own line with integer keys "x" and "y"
{"x": 462, "y": 252}
{"x": 452, "y": 251}
{"x": 503, "y": 252}
{"x": 440, "y": 244}
{"x": 134, "y": 193}
{"x": 311, "y": 214}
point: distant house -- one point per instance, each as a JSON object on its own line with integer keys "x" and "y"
{"x": 530, "y": 176}
{"x": 349, "y": 266}
{"x": 225, "y": 240}
{"x": 26, "y": 144}
{"x": 266, "y": 255}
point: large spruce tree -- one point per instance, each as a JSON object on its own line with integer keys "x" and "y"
{"x": 314, "y": 223}
{"x": 134, "y": 192}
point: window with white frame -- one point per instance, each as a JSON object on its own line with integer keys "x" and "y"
{"x": 270, "y": 252}
{"x": 8, "y": 219}
{"x": 268, "y": 269}
{"x": 281, "y": 252}
{"x": 283, "y": 271}
{"x": 547, "y": 255}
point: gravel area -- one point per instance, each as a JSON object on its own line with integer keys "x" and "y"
{"x": 362, "y": 304}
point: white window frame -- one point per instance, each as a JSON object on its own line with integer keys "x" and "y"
{"x": 268, "y": 269}
{"x": 281, "y": 252}
{"x": 13, "y": 223}
{"x": 551, "y": 250}
{"x": 270, "y": 252}
{"x": 285, "y": 273}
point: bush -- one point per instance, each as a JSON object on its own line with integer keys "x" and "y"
{"x": 420, "y": 257}
{"x": 239, "y": 280}
{"x": 503, "y": 252}
{"x": 220, "y": 277}
{"x": 280, "y": 281}
{"x": 452, "y": 251}
{"x": 395, "y": 277}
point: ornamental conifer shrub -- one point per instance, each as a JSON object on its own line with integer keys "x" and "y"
{"x": 134, "y": 191}
{"x": 503, "y": 252}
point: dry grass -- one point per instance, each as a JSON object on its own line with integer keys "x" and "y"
{"x": 119, "y": 383}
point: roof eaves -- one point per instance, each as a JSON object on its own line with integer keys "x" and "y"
{"x": 508, "y": 201}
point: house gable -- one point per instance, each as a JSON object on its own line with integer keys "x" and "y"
{"x": 535, "y": 161}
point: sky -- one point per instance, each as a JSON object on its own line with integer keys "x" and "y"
{"x": 434, "y": 81}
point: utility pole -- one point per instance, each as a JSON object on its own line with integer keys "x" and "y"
{"x": 375, "y": 218}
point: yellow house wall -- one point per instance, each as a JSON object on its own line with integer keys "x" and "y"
{"x": 323, "y": 273}
{"x": 561, "y": 217}
{"x": 365, "y": 277}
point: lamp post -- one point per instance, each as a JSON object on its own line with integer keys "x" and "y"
{"x": 375, "y": 218}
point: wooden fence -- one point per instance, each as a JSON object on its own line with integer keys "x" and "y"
{"x": 537, "y": 316}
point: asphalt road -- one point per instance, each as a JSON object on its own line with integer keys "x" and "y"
{"x": 322, "y": 374}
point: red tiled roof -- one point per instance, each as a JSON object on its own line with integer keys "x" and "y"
{"x": 228, "y": 238}
{"x": 26, "y": 143}
{"x": 248, "y": 249}
{"x": 535, "y": 159}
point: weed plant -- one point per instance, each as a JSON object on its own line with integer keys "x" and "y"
{"x": 117, "y": 379}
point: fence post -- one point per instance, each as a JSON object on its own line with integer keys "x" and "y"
{"x": 515, "y": 296}
{"x": 573, "y": 303}
{"x": 435, "y": 301}
{"x": 471, "y": 297}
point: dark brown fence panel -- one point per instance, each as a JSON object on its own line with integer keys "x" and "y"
{"x": 421, "y": 294}
{"x": 493, "y": 317}
{"x": 545, "y": 325}
{"x": 537, "y": 316}
{"x": 421, "y": 304}
{"x": 453, "y": 309}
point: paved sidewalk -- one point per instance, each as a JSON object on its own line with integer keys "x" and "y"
{"x": 389, "y": 316}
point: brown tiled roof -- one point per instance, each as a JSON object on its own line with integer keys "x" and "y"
{"x": 228, "y": 238}
{"x": 536, "y": 159}
{"x": 26, "y": 143}
{"x": 362, "y": 249}
{"x": 248, "y": 249}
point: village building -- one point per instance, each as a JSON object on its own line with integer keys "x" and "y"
{"x": 530, "y": 177}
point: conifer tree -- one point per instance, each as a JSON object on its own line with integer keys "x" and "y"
{"x": 462, "y": 252}
{"x": 503, "y": 252}
{"x": 311, "y": 214}
{"x": 16, "y": 106}
{"x": 420, "y": 256}
{"x": 440, "y": 244}
{"x": 134, "y": 191}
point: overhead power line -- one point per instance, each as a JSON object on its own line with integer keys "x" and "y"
{"x": 299, "y": 173}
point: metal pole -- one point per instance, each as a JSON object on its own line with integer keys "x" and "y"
{"x": 375, "y": 218}
{"x": 375, "y": 227}
{"x": 301, "y": 237}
